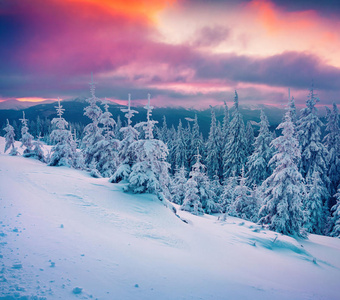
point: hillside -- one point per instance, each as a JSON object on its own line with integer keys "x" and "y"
{"x": 74, "y": 110}
{"x": 65, "y": 235}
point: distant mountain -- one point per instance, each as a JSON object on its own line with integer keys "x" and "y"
{"x": 74, "y": 112}
{"x": 20, "y": 105}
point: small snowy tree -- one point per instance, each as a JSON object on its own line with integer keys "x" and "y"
{"x": 150, "y": 172}
{"x": 206, "y": 194}
{"x": 292, "y": 108}
{"x": 245, "y": 205}
{"x": 26, "y": 137}
{"x": 105, "y": 150}
{"x": 93, "y": 133}
{"x": 314, "y": 209}
{"x": 228, "y": 195}
{"x": 284, "y": 189}
{"x": 9, "y": 139}
{"x": 63, "y": 151}
{"x": 336, "y": 216}
{"x": 235, "y": 152}
{"x": 127, "y": 156}
{"x": 191, "y": 202}
{"x": 38, "y": 152}
{"x": 258, "y": 163}
{"x": 179, "y": 186}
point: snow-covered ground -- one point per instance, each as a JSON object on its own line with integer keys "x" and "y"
{"x": 65, "y": 235}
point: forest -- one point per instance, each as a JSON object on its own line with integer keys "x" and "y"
{"x": 287, "y": 179}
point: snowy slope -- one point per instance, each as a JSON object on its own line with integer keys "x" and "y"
{"x": 61, "y": 230}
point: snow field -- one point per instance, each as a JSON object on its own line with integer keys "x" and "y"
{"x": 61, "y": 230}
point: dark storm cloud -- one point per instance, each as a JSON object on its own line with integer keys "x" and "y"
{"x": 291, "y": 69}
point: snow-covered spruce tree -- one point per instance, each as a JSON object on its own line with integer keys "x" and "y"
{"x": 313, "y": 152}
{"x": 105, "y": 150}
{"x": 245, "y": 205}
{"x": 228, "y": 194}
{"x": 63, "y": 151}
{"x": 37, "y": 151}
{"x": 258, "y": 163}
{"x": 315, "y": 218}
{"x": 336, "y": 216}
{"x": 161, "y": 133}
{"x": 225, "y": 126}
{"x": 292, "y": 108}
{"x": 250, "y": 138}
{"x": 127, "y": 156}
{"x": 196, "y": 142}
{"x": 150, "y": 172}
{"x": 78, "y": 159}
{"x": 284, "y": 190}
{"x": 332, "y": 143}
{"x": 92, "y": 132}
{"x": 206, "y": 195}
{"x": 180, "y": 147}
{"x": 179, "y": 186}
{"x": 9, "y": 139}
{"x": 117, "y": 129}
{"x": 235, "y": 151}
{"x": 191, "y": 202}
{"x": 213, "y": 149}
{"x": 217, "y": 188}
{"x": 172, "y": 137}
{"x": 26, "y": 137}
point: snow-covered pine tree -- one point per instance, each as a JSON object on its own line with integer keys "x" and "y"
{"x": 26, "y": 137}
{"x": 161, "y": 133}
{"x": 258, "y": 163}
{"x": 284, "y": 189}
{"x": 150, "y": 173}
{"x": 314, "y": 210}
{"x": 10, "y": 139}
{"x": 206, "y": 194}
{"x": 217, "y": 188}
{"x": 213, "y": 149}
{"x": 93, "y": 133}
{"x": 228, "y": 194}
{"x": 127, "y": 156}
{"x": 180, "y": 147}
{"x": 235, "y": 151}
{"x": 250, "y": 138}
{"x": 196, "y": 142}
{"x": 63, "y": 151}
{"x": 225, "y": 126}
{"x": 38, "y": 152}
{"x": 313, "y": 152}
{"x": 332, "y": 143}
{"x": 106, "y": 153}
{"x": 292, "y": 108}
{"x": 172, "y": 138}
{"x": 117, "y": 129}
{"x": 179, "y": 186}
{"x": 78, "y": 159}
{"x": 336, "y": 216}
{"x": 191, "y": 202}
{"x": 245, "y": 205}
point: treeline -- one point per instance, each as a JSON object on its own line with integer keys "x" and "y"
{"x": 287, "y": 182}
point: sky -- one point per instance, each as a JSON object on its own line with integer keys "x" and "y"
{"x": 191, "y": 53}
